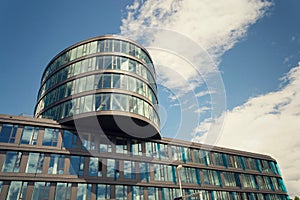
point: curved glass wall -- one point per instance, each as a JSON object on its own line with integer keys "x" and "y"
{"x": 103, "y": 73}
{"x": 116, "y": 45}
{"x": 95, "y": 82}
{"x": 102, "y": 102}
{"x": 95, "y": 64}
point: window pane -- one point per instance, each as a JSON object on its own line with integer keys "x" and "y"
{"x": 121, "y": 192}
{"x": 14, "y": 190}
{"x": 95, "y": 167}
{"x": 26, "y": 134}
{"x": 35, "y": 163}
{"x": 76, "y": 165}
{"x": 69, "y": 140}
{"x": 1, "y": 186}
{"x": 84, "y": 191}
{"x": 50, "y": 137}
{"x": 12, "y": 161}
{"x": 129, "y": 169}
{"x": 112, "y": 168}
{"x": 56, "y": 165}
{"x": 103, "y": 191}
{"x": 60, "y": 191}
{"x": 41, "y": 191}
{"x": 8, "y": 133}
{"x": 152, "y": 193}
{"x": 144, "y": 171}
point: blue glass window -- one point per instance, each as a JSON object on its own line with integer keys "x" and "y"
{"x": 230, "y": 179}
{"x": 17, "y": 190}
{"x": 50, "y": 137}
{"x": 95, "y": 166}
{"x": 170, "y": 193}
{"x": 260, "y": 196}
{"x": 76, "y": 165}
{"x": 211, "y": 177}
{"x": 282, "y": 185}
{"x": 219, "y": 159}
{"x": 199, "y": 194}
{"x": 198, "y": 156}
{"x": 1, "y": 182}
{"x": 263, "y": 183}
{"x": 177, "y": 153}
{"x": 273, "y": 167}
{"x": 69, "y": 140}
{"x": 41, "y": 190}
{"x": 221, "y": 195}
{"x": 113, "y": 168}
{"x": 129, "y": 169}
{"x": 189, "y": 175}
{"x": 8, "y": 133}
{"x": 275, "y": 183}
{"x": 137, "y": 192}
{"x": 248, "y": 181}
{"x": 57, "y": 163}
{"x": 105, "y": 144}
{"x": 29, "y": 135}
{"x": 35, "y": 163}
{"x": 88, "y": 142}
{"x": 121, "y": 145}
{"x": 144, "y": 171}
{"x": 12, "y": 161}
{"x": 163, "y": 151}
{"x": 252, "y": 164}
{"x": 121, "y": 192}
{"x": 265, "y": 166}
{"x": 187, "y": 156}
{"x": 164, "y": 172}
{"x": 151, "y": 149}
{"x": 153, "y": 193}
{"x": 237, "y": 162}
{"x": 84, "y": 191}
{"x": 136, "y": 147}
{"x": 63, "y": 191}
{"x": 103, "y": 191}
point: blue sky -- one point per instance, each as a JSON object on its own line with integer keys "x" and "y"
{"x": 259, "y": 60}
{"x": 261, "y": 46}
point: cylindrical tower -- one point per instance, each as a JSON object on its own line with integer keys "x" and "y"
{"x": 110, "y": 77}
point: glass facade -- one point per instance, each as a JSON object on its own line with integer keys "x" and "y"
{"x": 114, "y": 168}
{"x": 107, "y": 73}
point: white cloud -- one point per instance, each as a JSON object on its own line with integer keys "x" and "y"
{"x": 215, "y": 25}
{"x": 204, "y": 93}
{"x": 186, "y": 39}
{"x": 268, "y": 124}
{"x": 202, "y": 109}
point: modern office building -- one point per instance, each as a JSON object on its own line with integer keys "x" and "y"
{"x": 95, "y": 135}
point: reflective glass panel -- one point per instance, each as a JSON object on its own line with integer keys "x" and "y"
{"x": 35, "y": 163}
{"x": 56, "y": 165}
{"x": 76, "y": 165}
{"x": 50, "y": 137}
{"x": 69, "y": 140}
{"x": 95, "y": 166}
{"x": 29, "y": 135}
{"x": 103, "y": 191}
{"x": 8, "y": 133}
{"x": 17, "y": 190}
{"x": 12, "y": 161}
{"x": 84, "y": 191}
{"x": 121, "y": 192}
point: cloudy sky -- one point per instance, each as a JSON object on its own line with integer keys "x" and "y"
{"x": 228, "y": 70}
